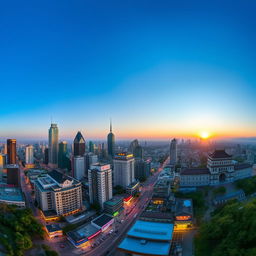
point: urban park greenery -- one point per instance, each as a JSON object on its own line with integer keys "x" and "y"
{"x": 17, "y": 228}
{"x": 230, "y": 232}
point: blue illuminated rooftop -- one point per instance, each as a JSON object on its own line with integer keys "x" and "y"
{"x": 151, "y": 230}
{"x": 145, "y": 247}
{"x": 148, "y": 238}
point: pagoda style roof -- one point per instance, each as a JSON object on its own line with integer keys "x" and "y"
{"x": 220, "y": 153}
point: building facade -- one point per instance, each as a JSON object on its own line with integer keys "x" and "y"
{"x": 59, "y": 193}
{"x": 220, "y": 169}
{"x": 100, "y": 183}
{"x": 173, "y": 152}
{"x": 79, "y": 145}
{"x": 11, "y": 151}
{"x": 123, "y": 169}
{"x": 79, "y": 167}
{"x": 53, "y": 144}
{"x": 111, "y": 143}
{"x": 29, "y": 154}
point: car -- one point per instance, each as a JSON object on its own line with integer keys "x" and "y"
{"x": 62, "y": 246}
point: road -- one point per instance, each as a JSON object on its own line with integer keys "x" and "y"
{"x": 108, "y": 246}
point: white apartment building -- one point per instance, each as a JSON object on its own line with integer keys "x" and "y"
{"x": 123, "y": 169}
{"x": 100, "y": 183}
{"x": 79, "y": 167}
{"x": 29, "y": 154}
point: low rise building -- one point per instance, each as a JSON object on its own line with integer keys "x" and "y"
{"x": 133, "y": 188}
{"x": 183, "y": 213}
{"x": 220, "y": 169}
{"x": 148, "y": 238}
{"x": 83, "y": 234}
{"x": 12, "y": 196}
{"x": 114, "y": 206}
{"x": 103, "y": 222}
{"x": 53, "y": 230}
{"x": 238, "y": 195}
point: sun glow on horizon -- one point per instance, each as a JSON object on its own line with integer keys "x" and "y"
{"x": 204, "y": 135}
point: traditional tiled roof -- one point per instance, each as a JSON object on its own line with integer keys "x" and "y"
{"x": 220, "y": 153}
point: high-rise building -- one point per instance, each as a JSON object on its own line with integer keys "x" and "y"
{"x": 13, "y": 174}
{"x": 173, "y": 152}
{"x": 111, "y": 143}
{"x": 11, "y": 151}
{"x": 2, "y": 161}
{"x": 79, "y": 145}
{"x": 90, "y": 159}
{"x": 142, "y": 169}
{"x": 29, "y": 154}
{"x": 79, "y": 167}
{"x": 5, "y": 149}
{"x": 53, "y": 144}
{"x": 62, "y": 155}
{"x": 123, "y": 169}
{"x": 46, "y": 155}
{"x": 100, "y": 183}
{"x": 136, "y": 149}
{"x": 91, "y": 147}
{"x": 59, "y": 193}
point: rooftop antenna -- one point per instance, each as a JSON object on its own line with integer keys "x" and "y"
{"x": 110, "y": 124}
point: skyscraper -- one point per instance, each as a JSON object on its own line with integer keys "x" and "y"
{"x": 79, "y": 145}
{"x": 136, "y": 149}
{"x": 29, "y": 154}
{"x": 53, "y": 144}
{"x": 79, "y": 167}
{"x": 123, "y": 169}
{"x": 62, "y": 155}
{"x": 173, "y": 152}
{"x": 111, "y": 143}
{"x": 13, "y": 174}
{"x": 11, "y": 151}
{"x": 91, "y": 147}
{"x": 100, "y": 183}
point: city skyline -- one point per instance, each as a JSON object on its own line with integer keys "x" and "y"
{"x": 159, "y": 70}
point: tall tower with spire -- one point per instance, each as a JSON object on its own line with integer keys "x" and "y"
{"x": 111, "y": 142}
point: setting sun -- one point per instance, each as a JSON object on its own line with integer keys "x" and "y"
{"x": 204, "y": 135}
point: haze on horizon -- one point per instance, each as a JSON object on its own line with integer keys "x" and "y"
{"x": 159, "y": 69}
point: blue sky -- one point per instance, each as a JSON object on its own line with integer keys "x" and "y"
{"x": 158, "y": 68}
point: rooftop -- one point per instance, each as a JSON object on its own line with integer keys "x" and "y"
{"x": 242, "y": 166}
{"x": 102, "y": 220}
{"x": 53, "y": 227}
{"x": 83, "y": 232}
{"x": 151, "y": 230}
{"x": 220, "y": 153}
{"x": 59, "y": 177}
{"x": 79, "y": 138}
{"x": 195, "y": 171}
{"x": 145, "y": 247}
{"x": 11, "y": 194}
{"x": 114, "y": 201}
{"x": 184, "y": 206}
{"x": 123, "y": 156}
{"x": 230, "y": 195}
